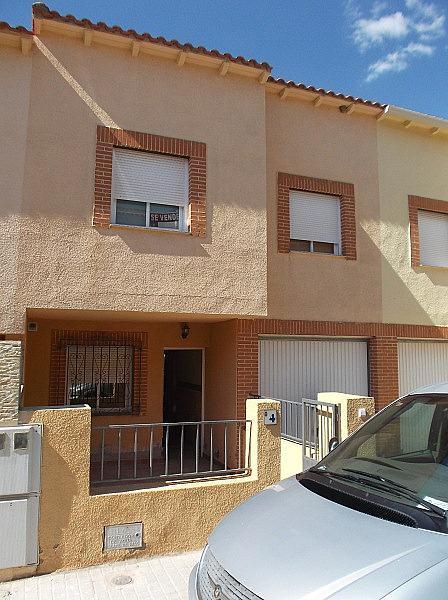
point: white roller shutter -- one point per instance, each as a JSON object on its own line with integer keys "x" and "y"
{"x": 421, "y": 363}
{"x": 149, "y": 177}
{"x": 315, "y": 217}
{"x": 433, "y": 235}
{"x": 292, "y": 369}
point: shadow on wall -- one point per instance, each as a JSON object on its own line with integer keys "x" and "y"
{"x": 59, "y": 491}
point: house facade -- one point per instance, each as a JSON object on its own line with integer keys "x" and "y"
{"x": 181, "y": 230}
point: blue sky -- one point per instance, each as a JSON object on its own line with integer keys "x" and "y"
{"x": 394, "y": 51}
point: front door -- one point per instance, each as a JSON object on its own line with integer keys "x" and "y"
{"x": 182, "y": 394}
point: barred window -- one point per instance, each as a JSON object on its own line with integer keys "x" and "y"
{"x": 100, "y": 376}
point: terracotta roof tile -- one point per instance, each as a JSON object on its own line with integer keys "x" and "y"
{"x": 41, "y": 11}
{"x": 19, "y": 30}
{"x": 322, "y": 92}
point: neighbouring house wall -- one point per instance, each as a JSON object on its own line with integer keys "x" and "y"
{"x": 62, "y": 261}
{"x": 15, "y": 71}
{"x": 409, "y": 163}
{"x": 10, "y": 380}
{"x": 323, "y": 143}
{"x": 176, "y": 517}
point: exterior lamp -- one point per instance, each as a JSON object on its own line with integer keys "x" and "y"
{"x": 185, "y": 330}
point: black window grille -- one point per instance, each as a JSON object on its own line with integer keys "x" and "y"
{"x": 105, "y": 374}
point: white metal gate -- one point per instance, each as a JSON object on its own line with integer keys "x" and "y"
{"x": 295, "y": 368}
{"x": 421, "y": 362}
{"x": 312, "y": 424}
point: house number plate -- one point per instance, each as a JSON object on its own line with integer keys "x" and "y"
{"x": 270, "y": 417}
{"x": 128, "y": 535}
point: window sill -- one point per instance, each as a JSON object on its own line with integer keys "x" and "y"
{"x": 430, "y": 268}
{"x": 148, "y": 229}
{"x": 320, "y": 254}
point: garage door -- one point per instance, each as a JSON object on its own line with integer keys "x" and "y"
{"x": 421, "y": 363}
{"x": 295, "y": 368}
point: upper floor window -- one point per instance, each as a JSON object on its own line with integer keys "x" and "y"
{"x": 315, "y": 222}
{"x": 433, "y": 238}
{"x": 149, "y": 190}
{"x": 149, "y": 181}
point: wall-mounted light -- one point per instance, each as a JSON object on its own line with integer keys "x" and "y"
{"x": 185, "y": 330}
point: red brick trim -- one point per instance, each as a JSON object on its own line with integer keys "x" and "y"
{"x": 382, "y": 349}
{"x": 60, "y": 339}
{"x": 346, "y": 192}
{"x": 383, "y": 370}
{"x": 417, "y": 203}
{"x": 108, "y": 138}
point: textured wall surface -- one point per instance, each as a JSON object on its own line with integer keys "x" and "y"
{"x": 413, "y": 164}
{"x": 324, "y": 144}
{"x": 75, "y": 265}
{"x": 175, "y": 517}
{"x": 10, "y": 379}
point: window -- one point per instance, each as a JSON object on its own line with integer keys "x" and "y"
{"x": 100, "y": 376}
{"x": 433, "y": 235}
{"x": 315, "y": 222}
{"x": 149, "y": 190}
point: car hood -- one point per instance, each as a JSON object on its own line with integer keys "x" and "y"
{"x": 288, "y": 543}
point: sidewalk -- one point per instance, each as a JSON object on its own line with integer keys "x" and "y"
{"x": 156, "y": 578}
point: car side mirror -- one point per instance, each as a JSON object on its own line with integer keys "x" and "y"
{"x": 332, "y": 444}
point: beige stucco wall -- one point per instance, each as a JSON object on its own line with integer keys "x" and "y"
{"x": 63, "y": 262}
{"x": 409, "y": 163}
{"x": 321, "y": 142}
{"x": 349, "y": 420}
{"x": 15, "y": 72}
{"x": 175, "y": 517}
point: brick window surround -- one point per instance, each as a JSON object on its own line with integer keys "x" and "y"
{"x": 382, "y": 341}
{"x": 60, "y": 339}
{"x": 108, "y": 138}
{"x": 346, "y": 193}
{"x": 417, "y": 203}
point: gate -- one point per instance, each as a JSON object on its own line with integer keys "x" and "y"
{"x": 312, "y": 424}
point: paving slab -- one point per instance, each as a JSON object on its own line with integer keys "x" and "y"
{"x": 154, "y": 578}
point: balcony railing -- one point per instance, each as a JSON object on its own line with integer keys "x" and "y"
{"x": 190, "y": 449}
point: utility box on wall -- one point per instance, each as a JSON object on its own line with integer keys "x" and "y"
{"x": 20, "y": 458}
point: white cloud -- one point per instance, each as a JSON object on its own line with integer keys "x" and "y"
{"x": 397, "y": 61}
{"x": 372, "y": 31}
{"x": 405, "y": 34}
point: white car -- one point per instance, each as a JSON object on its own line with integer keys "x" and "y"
{"x": 367, "y": 522}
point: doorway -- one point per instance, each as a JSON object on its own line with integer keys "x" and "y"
{"x": 183, "y": 385}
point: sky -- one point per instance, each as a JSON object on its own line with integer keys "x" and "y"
{"x": 392, "y": 51}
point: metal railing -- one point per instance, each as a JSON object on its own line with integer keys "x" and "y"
{"x": 312, "y": 424}
{"x": 291, "y": 421}
{"x": 189, "y": 449}
{"x": 320, "y": 423}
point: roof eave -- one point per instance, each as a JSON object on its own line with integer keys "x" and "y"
{"x": 413, "y": 120}
{"x": 44, "y": 19}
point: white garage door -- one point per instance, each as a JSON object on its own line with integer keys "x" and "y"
{"x": 294, "y": 368}
{"x": 421, "y": 363}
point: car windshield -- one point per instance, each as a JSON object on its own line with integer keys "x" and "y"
{"x": 401, "y": 453}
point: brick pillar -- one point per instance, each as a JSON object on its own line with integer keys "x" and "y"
{"x": 383, "y": 362}
{"x": 10, "y": 380}
{"x": 246, "y": 365}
